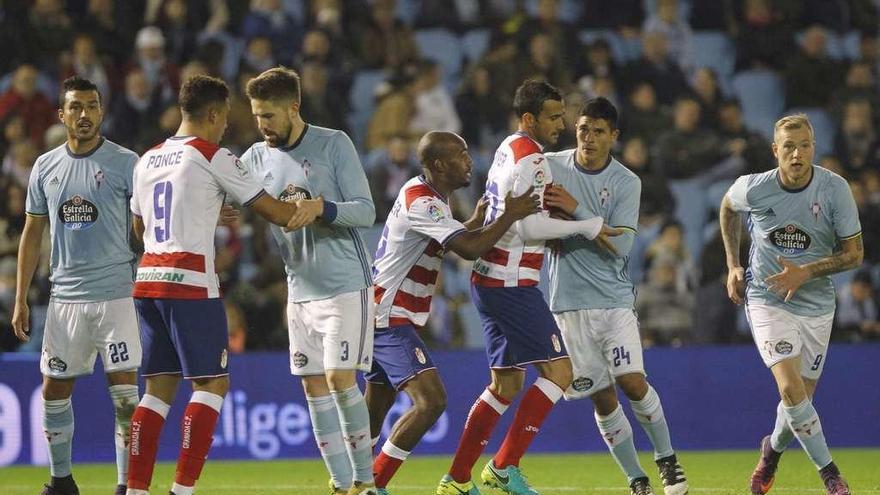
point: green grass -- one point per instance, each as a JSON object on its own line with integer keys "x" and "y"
{"x": 708, "y": 472}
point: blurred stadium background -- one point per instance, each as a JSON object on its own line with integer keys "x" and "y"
{"x": 699, "y": 84}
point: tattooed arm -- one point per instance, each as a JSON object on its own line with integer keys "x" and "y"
{"x": 792, "y": 276}
{"x": 731, "y": 232}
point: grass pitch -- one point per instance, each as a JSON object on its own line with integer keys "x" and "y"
{"x": 708, "y": 472}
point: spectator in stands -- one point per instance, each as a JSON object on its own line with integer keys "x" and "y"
{"x": 869, "y": 214}
{"x": 668, "y": 20}
{"x": 241, "y": 131}
{"x": 757, "y": 153}
{"x": 486, "y": 112}
{"x": 715, "y": 316}
{"x": 318, "y": 47}
{"x": 14, "y": 131}
{"x": 258, "y": 55}
{"x": 389, "y": 170}
{"x": 833, "y": 164}
{"x": 455, "y": 16}
{"x": 858, "y": 317}
{"x": 49, "y": 31}
{"x": 23, "y": 98}
{"x": 643, "y": 116}
{"x": 626, "y": 17}
{"x": 657, "y": 201}
{"x": 55, "y": 136}
{"x": 857, "y": 143}
{"x": 395, "y": 108}
{"x": 386, "y": 41}
{"x": 665, "y": 310}
{"x": 597, "y": 62}
{"x": 656, "y": 67}
{"x": 670, "y": 247}
{"x": 8, "y": 341}
{"x": 762, "y": 35}
{"x": 12, "y": 216}
{"x": 179, "y": 28}
{"x": 267, "y": 18}
{"x": 545, "y": 63}
{"x": 434, "y": 108}
{"x": 238, "y": 328}
{"x": 707, "y": 92}
{"x": 811, "y": 75}
{"x": 560, "y": 33}
{"x": 860, "y": 85}
{"x": 501, "y": 60}
{"x": 85, "y": 62}
{"x": 19, "y": 160}
{"x": 319, "y": 104}
{"x": 162, "y": 76}
{"x": 134, "y": 116}
{"x": 687, "y": 150}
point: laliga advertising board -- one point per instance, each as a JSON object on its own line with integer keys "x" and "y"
{"x": 265, "y": 414}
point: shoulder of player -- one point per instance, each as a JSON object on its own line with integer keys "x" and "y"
{"x": 828, "y": 178}
{"x": 622, "y": 173}
{"x": 559, "y": 160}
{"x": 416, "y": 191}
{"x": 522, "y": 146}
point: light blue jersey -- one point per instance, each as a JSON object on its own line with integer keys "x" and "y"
{"x": 86, "y": 200}
{"x": 582, "y": 274}
{"x": 328, "y": 257}
{"x": 802, "y": 225}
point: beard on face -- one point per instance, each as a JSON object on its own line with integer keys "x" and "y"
{"x": 278, "y": 139}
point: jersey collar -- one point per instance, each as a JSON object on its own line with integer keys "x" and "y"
{"x": 799, "y": 189}
{"x": 87, "y": 153}
{"x": 431, "y": 186}
{"x": 298, "y": 140}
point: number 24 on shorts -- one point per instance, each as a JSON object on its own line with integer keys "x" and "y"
{"x": 620, "y": 353}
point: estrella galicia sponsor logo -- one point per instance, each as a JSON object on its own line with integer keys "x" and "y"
{"x": 293, "y": 193}
{"x": 784, "y": 347}
{"x": 57, "y": 365}
{"x": 582, "y": 384}
{"x": 790, "y": 240}
{"x": 77, "y": 213}
{"x": 300, "y": 359}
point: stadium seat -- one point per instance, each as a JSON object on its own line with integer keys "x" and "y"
{"x": 444, "y": 47}
{"x": 622, "y": 50}
{"x": 823, "y": 129}
{"x": 762, "y": 96}
{"x": 474, "y": 44}
{"x": 361, "y": 96}
{"x": 715, "y": 50}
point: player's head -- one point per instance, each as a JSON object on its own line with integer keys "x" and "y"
{"x": 444, "y": 155}
{"x": 793, "y": 146}
{"x": 204, "y": 102}
{"x": 538, "y": 105}
{"x": 275, "y": 100}
{"x": 596, "y": 129}
{"x": 81, "y": 110}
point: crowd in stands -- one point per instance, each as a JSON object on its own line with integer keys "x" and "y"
{"x": 699, "y": 85}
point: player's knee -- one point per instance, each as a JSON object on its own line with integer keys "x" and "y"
{"x": 792, "y": 393}
{"x": 432, "y": 407}
{"x": 634, "y": 385}
{"x": 605, "y": 401}
{"x": 562, "y": 376}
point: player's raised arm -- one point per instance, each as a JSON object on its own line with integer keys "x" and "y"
{"x": 475, "y": 243}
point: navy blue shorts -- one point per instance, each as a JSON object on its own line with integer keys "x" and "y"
{"x": 398, "y": 356}
{"x": 183, "y": 336}
{"x": 518, "y": 326}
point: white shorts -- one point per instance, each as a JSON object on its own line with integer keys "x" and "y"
{"x": 332, "y": 333}
{"x": 781, "y": 335}
{"x": 603, "y": 344}
{"x": 76, "y": 332}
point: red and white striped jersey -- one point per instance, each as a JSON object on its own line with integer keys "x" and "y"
{"x": 410, "y": 253}
{"x": 513, "y": 262}
{"x": 179, "y": 187}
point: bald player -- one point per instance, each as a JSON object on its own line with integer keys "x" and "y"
{"x": 418, "y": 231}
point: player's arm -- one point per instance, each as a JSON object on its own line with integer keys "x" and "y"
{"x": 731, "y": 234}
{"x": 479, "y": 216}
{"x": 28, "y": 258}
{"x": 138, "y": 227}
{"x": 356, "y": 208}
{"x": 625, "y": 215}
{"x": 283, "y": 214}
{"x": 476, "y": 242}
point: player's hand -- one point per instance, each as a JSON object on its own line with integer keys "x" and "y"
{"x": 307, "y": 211}
{"x": 788, "y": 281}
{"x": 479, "y": 215}
{"x": 736, "y": 285}
{"x": 228, "y": 216}
{"x": 524, "y": 205}
{"x": 557, "y": 197}
{"x": 603, "y": 241}
{"x": 21, "y": 321}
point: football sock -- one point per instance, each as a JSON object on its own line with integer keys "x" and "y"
{"x": 533, "y": 409}
{"x": 387, "y": 463}
{"x": 146, "y": 425}
{"x": 649, "y": 414}
{"x": 804, "y": 421}
{"x": 618, "y": 435}
{"x": 125, "y": 400}
{"x": 782, "y": 435}
{"x": 197, "y": 432}
{"x": 355, "y": 422}
{"x": 328, "y": 435}
{"x": 478, "y": 428}
{"x": 58, "y": 427}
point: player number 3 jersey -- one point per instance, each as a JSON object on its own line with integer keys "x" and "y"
{"x": 179, "y": 188}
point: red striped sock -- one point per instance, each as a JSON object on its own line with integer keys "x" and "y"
{"x": 477, "y": 430}
{"x": 198, "y": 424}
{"x": 384, "y": 467}
{"x": 533, "y": 409}
{"x": 146, "y": 425}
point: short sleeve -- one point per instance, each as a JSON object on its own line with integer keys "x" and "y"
{"x": 532, "y": 170}
{"x": 845, "y": 213}
{"x": 738, "y": 194}
{"x": 134, "y": 205}
{"x": 35, "y": 204}
{"x": 626, "y": 211}
{"x": 234, "y": 177}
{"x": 129, "y": 175}
{"x": 432, "y": 217}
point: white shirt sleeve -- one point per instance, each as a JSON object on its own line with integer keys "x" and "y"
{"x": 432, "y": 217}
{"x": 234, "y": 177}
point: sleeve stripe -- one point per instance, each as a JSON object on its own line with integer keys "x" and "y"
{"x": 857, "y": 234}
{"x": 33, "y": 214}
{"x": 624, "y": 227}
{"x": 256, "y": 197}
{"x": 451, "y": 236}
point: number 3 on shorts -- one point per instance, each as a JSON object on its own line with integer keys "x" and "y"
{"x": 344, "y": 345}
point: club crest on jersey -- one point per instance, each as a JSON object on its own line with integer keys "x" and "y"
{"x": 435, "y": 212}
{"x": 815, "y": 210}
{"x": 307, "y": 167}
{"x": 293, "y": 193}
{"x": 539, "y": 179}
{"x": 224, "y": 357}
{"x": 99, "y": 177}
{"x": 77, "y": 213}
{"x": 420, "y": 355}
{"x": 242, "y": 170}
{"x": 604, "y": 196}
{"x": 790, "y": 240}
{"x": 557, "y": 346}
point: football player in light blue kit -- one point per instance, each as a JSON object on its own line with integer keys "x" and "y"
{"x": 81, "y": 189}
{"x": 330, "y": 307}
{"x": 804, "y": 227}
{"x": 592, "y": 297}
